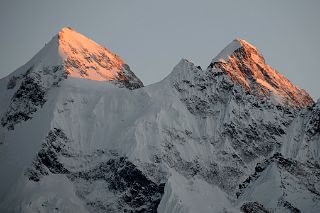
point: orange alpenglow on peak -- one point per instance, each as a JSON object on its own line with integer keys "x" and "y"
{"x": 245, "y": 65}
{"x": 84, "y": 58}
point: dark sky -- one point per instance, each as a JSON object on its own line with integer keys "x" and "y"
{"x": 152, "y": 36}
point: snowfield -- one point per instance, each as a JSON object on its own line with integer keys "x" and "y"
{"x": 80, "y": 133}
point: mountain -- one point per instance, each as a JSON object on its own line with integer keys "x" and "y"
{"x": 80, "y": 132}
{"x": 68, "y": 55}
{"x": 246, "y": 65}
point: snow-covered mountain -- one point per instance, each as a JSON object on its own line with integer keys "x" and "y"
{"x": 80, "y": 132}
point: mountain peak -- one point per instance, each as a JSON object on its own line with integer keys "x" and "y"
{"x": 84, "y": 58}
{"x": 236, "y": 44}
{"x": 81, "y": 57}
{"x": 244, "y": 63}
{"x": 63, "y": 29}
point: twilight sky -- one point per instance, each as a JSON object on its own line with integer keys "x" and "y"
{"x": 152, "y": 36}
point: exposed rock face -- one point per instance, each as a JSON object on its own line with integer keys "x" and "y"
{"x": 130, "y": 189}
{"x": 31, "y": 93}
{"x": 253, "y": 207}
{"x": 47, "y": 160}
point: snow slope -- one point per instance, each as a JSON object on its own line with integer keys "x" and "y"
{"x": 304, "y": 135}
{"x": 78, "y": 138}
